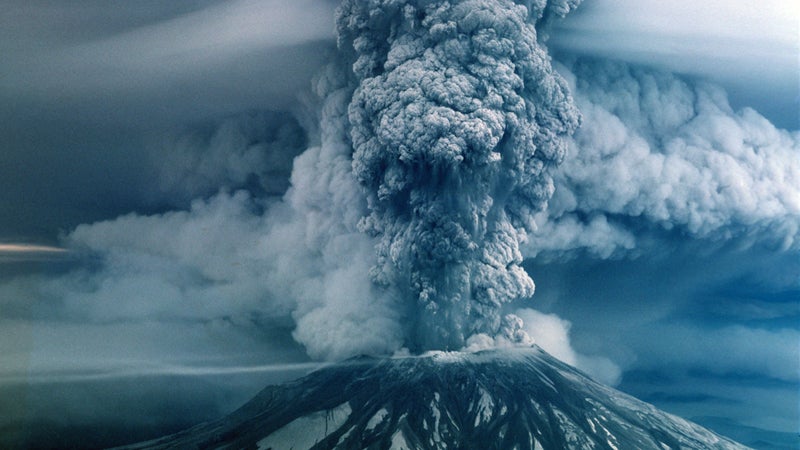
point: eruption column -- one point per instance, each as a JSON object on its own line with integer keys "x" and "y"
{"x": 456, "y": 116}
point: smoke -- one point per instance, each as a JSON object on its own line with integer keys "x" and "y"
{"x": 552, "y": 333}
{"x": 439, "y": 141}
{"x": 659, "y": 152}
{"x": 438, "y": 125}
{"x": 393, "y": 213}
{"x": 456, "y": 118}
{"x": 254, "y": 150}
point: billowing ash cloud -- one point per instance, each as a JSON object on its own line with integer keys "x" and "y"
{"x": 656, "y": 151}
{"x": 438, "y": 125}
{"x": 456, "y": 118}
{"x": 253, "y": 150}
{"x": 394, "y": 211}
{"x": 440, "y": 132}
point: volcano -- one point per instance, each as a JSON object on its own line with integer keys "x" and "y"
{"x": 516, "y": 398}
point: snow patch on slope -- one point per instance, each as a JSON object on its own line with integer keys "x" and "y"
{"x": 485, "y": 407}
{"x": 399, "y": 442}
{"x": 306, "y": 431}
{"x": 377, "y": 419}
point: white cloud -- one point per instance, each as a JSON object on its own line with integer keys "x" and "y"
{"x": 552, "y": 334}
{"x": 742, "y": 44}
{"x": 253, "y": 150}
{"x": 731, "y": 349}
{"x": 202, "y": 62}
{"x": 221, "y": 263}
{"x": 770, "y": 22}
{"x": 745, "y": 373}
{"x": 202, "y": 37}
{"x": 662, "y": 152}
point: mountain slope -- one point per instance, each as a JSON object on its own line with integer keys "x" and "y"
{"x": 519, "y": 398}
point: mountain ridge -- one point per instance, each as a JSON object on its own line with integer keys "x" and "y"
{"x": 511, "y": 398}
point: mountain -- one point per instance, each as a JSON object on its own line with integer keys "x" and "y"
{"x": 520, "y": 398}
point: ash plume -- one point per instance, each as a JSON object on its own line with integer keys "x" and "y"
{"x": 657, "y": 151}
{"x": 253, "y": 150}
{"x": 242, "y": 184}
{"x": 438, "y": 123}
{"x": 456, "y": 118}
{"x": 414, "y": 188}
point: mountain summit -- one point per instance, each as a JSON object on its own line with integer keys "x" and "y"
{"x": 519, "y": 398}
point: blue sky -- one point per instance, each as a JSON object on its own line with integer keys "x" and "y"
{"x": 146, "y": 148}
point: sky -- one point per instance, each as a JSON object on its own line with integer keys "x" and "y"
{"x": 178, "y": 205}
